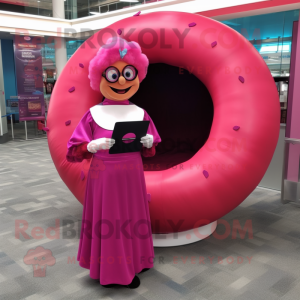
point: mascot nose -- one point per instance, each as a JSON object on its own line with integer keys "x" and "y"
{"x": 122, "y": 80}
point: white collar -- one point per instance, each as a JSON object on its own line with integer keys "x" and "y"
{"x": 107, "y": 115}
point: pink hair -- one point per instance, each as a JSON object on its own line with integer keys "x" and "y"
{"x": 109, "y": 53}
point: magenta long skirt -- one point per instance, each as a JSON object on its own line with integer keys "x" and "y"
{"x": 116, "y": 238}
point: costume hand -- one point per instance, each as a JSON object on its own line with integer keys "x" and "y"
{"x": 147, "y": 141}
{"x": 100, "y": 144}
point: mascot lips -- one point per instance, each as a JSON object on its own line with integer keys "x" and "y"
{"x": 120, "y": 91}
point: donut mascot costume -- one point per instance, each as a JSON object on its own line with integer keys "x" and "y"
{"x": 116, "y": 238}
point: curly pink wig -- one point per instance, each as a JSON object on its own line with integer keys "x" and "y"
{"x": 109, "y": 53}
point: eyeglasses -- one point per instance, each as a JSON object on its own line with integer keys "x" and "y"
{"x": 112, "y": 74}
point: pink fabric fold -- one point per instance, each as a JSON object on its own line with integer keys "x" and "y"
{"x": 116, "y": 237}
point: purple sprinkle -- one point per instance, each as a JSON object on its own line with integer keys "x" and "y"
{"x": 236, "y": 128}
{"x": 205, "y": 173}
{"x": 192, "y": 24}
{"x": 241, "y": 79}
{"x": 214, "y": 44}
{"x": 119, "y": 31}
{"x": 81, "y": 65}
{"x": 45, "y": 128}
{"x": 82, "y": 176}
{"x": 137, "y": 14}
{"x": 68, "y": 122}
{"x": 72, "y": 89}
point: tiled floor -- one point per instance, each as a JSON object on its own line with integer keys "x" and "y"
{"x": 265, "y": 266}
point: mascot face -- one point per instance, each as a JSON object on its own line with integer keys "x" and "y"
{"x": 120, "y": 81}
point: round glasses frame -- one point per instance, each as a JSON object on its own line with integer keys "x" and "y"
{"x": 119, "y": 74}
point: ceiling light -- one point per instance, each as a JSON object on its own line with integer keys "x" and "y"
{"x": 275, "y": 48}
{"x": 230, "y": 23}
{"x": 26, "y": 34}
{"x": 18, "y": 33}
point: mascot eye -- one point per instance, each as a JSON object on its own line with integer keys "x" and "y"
{"x": 129, "y": 73}
{"x": 35, "y": 258}
{"x": 43, "y": 257}
{"x": 112, "y": 74}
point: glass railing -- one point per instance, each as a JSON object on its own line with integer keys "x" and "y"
{"x": 32, "y": 7}
{"x": 73, "y": 8}
{"x": 271, "y": 35}
{"x": 94, "y": 7}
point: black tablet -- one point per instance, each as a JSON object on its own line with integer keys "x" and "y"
{"x": 122, "y": 145}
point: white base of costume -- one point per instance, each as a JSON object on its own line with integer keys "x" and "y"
{"x": 184, "y": 237}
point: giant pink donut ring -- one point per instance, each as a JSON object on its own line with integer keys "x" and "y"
{"x": 243, "y": 93}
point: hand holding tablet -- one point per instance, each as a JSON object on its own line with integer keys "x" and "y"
{"x": 138, "y": 128}
{"x": 147, "y": 140}
{"x": 100, "y": 144}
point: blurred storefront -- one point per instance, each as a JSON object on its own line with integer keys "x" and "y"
{"x": 272, "y": 36}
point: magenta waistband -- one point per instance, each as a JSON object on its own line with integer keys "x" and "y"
{"x": 120, "y": 156}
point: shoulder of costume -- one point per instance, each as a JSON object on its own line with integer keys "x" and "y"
{"x": 107, "y": 115}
